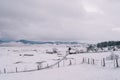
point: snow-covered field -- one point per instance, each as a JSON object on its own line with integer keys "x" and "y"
{"x": 79, "y": 72}
{"x": 27, "y": 58}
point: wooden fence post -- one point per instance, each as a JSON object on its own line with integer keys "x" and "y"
{"x": 103, "y": 62}
{"x": 58, "y": 65}
{"x": 93, "y": 61}
{"x": 117, "y": 65}
{"x": 4, "y": 70}
{"x": 88, "y": 61}
{"x": 83, "y": 60}
{"x": 70, "y": 62}
{"x": 16, "y": 70}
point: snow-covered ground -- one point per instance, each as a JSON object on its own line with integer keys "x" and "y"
{"x": 78, "y": 72}
{"x": 29, "y": 57}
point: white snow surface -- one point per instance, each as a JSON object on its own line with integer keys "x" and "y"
{"x": 78, "y": 72}
{"x": 10, "y": 59}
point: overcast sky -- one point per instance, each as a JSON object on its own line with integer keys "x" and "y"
{"x": 60, "y": 20}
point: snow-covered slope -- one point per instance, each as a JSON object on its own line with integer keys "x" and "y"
{"x": 12, "y": 57}
{"x": 79, "y": 72}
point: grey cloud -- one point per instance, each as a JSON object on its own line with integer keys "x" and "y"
{"x": 59, "y": 19}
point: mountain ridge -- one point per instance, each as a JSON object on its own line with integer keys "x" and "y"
{"x": 40, "y": 42}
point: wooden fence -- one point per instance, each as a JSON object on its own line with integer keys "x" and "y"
{"x": 66, "y": 62}
{"x": 103, "y": 62}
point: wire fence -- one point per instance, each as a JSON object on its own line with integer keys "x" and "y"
{"x": 34, "y": 67}
{"x": 42, "y": 66}
{"x": 102, "y": 62}
{"x": 62, "y": 63}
